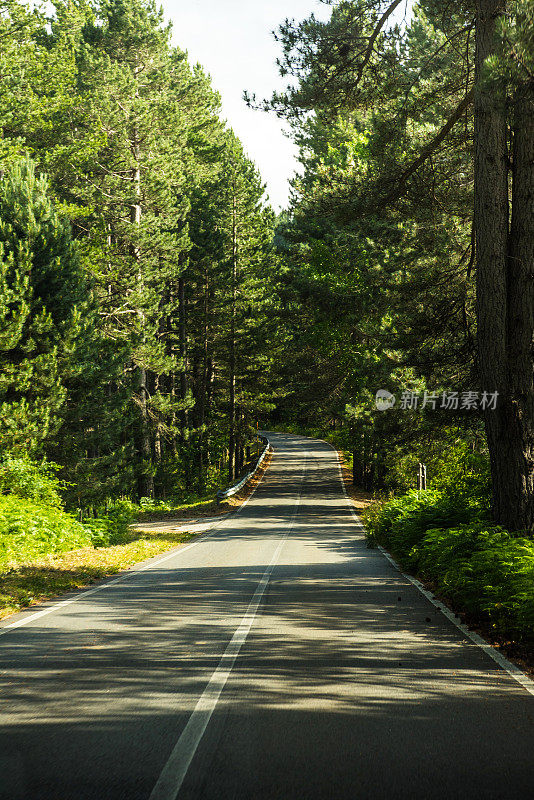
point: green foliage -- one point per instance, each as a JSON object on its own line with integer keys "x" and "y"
{"x": 30, "y": 530}
{"x": 33, "y": 525}
{"x": 43, "y": 292}
{"x": 481, "y": 568}
{"x": 484, "y": 570}
{"x": 111, "y": 527}
{"x": 379, "y": 288}
{"x": 402, "y": 522}
{"x": 108, "y": 344}
{"x": 380, "y": 238}
{"x": 454, "y": 465}
{"x": 32, "y": 481}
{"x": 149, "y": 505}
{"x": 463, "y": 474}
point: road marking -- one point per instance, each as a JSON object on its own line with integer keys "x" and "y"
{"x": 514, "y": 672}
{"x": 172, "y": 777}
{"x": 130, "y": 574}
{"x": 19, "y": 623}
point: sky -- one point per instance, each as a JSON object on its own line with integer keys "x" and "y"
{"x": 232, "y": 40}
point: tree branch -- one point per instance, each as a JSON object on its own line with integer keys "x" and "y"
{"x": 370, "y": 46}
{"x": 427, "y": 151}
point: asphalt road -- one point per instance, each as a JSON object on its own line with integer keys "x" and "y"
{"x": 275, "y": 658}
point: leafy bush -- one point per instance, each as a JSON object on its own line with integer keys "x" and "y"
{"x": 464, "y": 476}
{"x": 149, "y": 504}
{"x": 112, "y": 527}
{"x": 485, "y": 570}
{"x": 455, "y": 468}
{"x": 29, "y": 530}
{"x": 401, "y": 523}
{"x": 480, "y": 567}
{"x": 31, "y": 481}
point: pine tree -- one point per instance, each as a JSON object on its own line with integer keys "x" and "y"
{"x": 44, "y": 293}
{"x": 131, "y": 138}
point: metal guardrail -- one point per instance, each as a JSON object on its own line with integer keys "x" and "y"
{"x": 222, "y": 494}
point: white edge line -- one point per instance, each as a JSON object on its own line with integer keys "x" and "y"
{"x": 514, "y": 672}
{"x": 177, "y": 766}
{"x": 129, "y": 574}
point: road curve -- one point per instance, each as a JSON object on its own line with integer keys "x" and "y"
{"x": 277, "y": 658}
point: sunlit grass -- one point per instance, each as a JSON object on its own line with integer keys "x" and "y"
{"x": 55, "y": 574}
{"x": 31, "y": 581}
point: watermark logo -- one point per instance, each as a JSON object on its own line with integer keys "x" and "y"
{"x": 384, "y": 400}
{"x": 446, "y": 401}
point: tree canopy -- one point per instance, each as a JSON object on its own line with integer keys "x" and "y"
{"x": 153, "y": 310}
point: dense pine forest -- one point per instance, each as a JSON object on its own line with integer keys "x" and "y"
{"x": 410, "y": 242}
{"x": 154, "y": 311}
{"x": 137, "y": 317}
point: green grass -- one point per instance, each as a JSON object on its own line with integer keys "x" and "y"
{"x": 34, "y": 580}
{"x": 45, "y": 551}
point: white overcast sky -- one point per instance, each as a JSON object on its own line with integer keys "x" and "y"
{"x": 232, "y": 40}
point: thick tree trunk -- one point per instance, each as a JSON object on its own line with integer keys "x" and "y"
{"x": 356, "y": 477}
{"x": 204, "y": 391}
{"x": 231, "y": 438}
{"x": 173, "y": 377}
{"x": 182, "y": 333}
{"x": 504, "y": 282}
{"x": 146, "y": 479}
{"x": 232, "y": 443}
{"x": 184, "y": 385}
{"x": 491, "y": 231}
{"x": 517, "y": 506}
{"x": 158, "y": 434}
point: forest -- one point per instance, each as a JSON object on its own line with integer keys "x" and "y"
{"x": 155, "y": 311}
{"x": 138, "y": 314}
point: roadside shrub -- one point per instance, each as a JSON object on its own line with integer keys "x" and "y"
{"x": 149, "y": 505}
{"x": 30, "y": 530}
{"x": 464, "y": 476}
{"x": 484, "y": 570}
{"x": 480, "y": 567}
{"x": 123, "y": 512}
{"x": 455, "y": 468}
{"x": 401, "y": 523}
{"x": 112, "y": 527}
{"x": 31, "y": 481}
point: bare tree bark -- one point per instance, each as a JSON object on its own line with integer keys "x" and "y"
{"x": 517, "y": 506}
{"x": 505, "y": 286}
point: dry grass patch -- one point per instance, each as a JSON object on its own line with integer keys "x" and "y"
{"x": 28, "y": 583}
